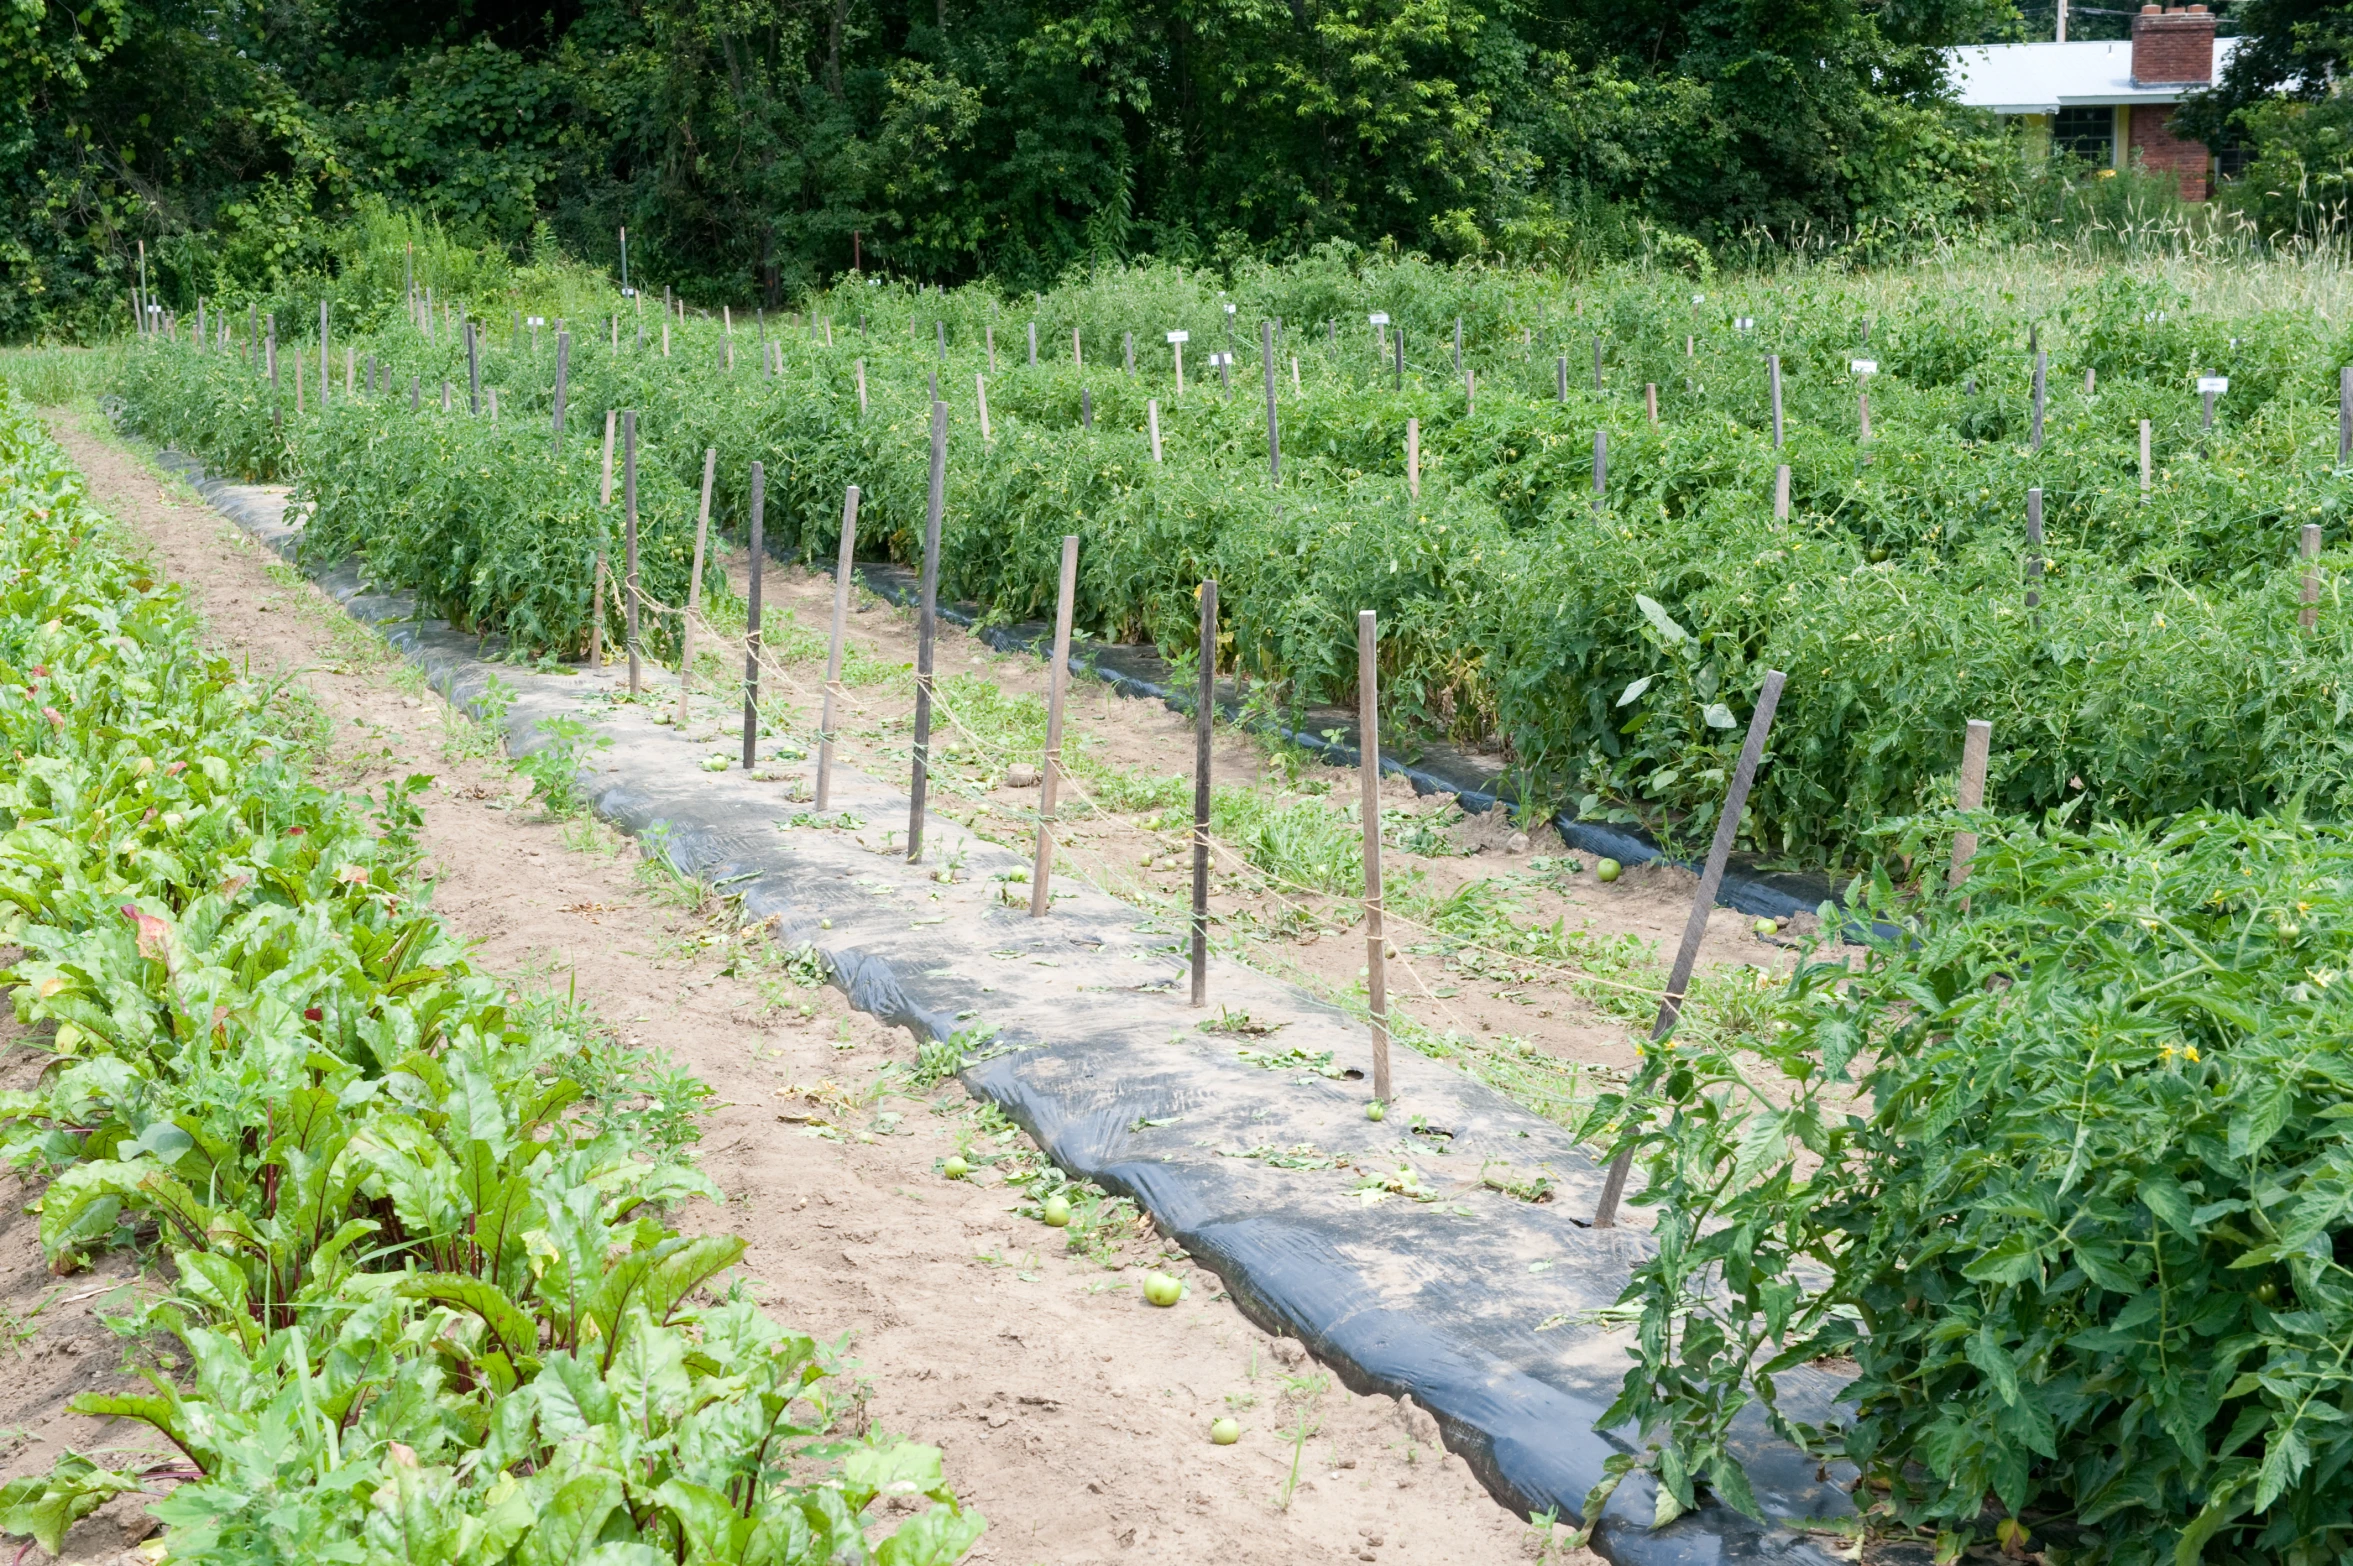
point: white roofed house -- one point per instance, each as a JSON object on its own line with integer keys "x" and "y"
{"x": 2107, "y": 101}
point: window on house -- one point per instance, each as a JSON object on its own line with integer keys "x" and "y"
{"x": 2088, "y": 133}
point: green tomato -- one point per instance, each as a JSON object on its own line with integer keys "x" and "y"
{"x": 1055, "y": 1211}
{"x": 955, "y": 1168}
{"x": 1607, "y": 870}
{"x": 1225, "y": 1432}
{"x": 1766, "y": 927}
{"x": 1161, "y": 1289}
{"x": 2267, "y": 1292}
{"x": 1376, "y": 1110}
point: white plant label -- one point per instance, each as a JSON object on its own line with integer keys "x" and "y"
{"x": 1863, "y": 366}
{"x": 1378, "y": 318}
{"x": 1180, "y": 337}
{"x": 2217, "y": 384}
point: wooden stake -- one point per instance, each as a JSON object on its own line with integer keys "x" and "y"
{"x": 555, "y": 433}
{"x": 1179, "y": 350}
{"x": 1368, "y": 767}
{"x": 1752, "y": 752}
{"x": 2091, "y": 381}
{"x": 751, "y": 616}
{"x": 1077, "y": 359}
{"x": 1773, "y": 380}
{"x": 2344, "y": 415}
{"x": 2041, "y": 366}
{"x": 2145, "y": 454}
{"x": 861, "y": 369}
{"x": 1295, "y": 375}
{"x": 1970, "y": 794}
{"x": 2308, "y": 541}
{"x": 843, "y": 570}
{"x": 1781, "y": 493}
{"x": 1204, "y": 711}
{"x": 1086, "y": 408}
{"x": 926, "y": 629}
{"x": 1650, "y": 402}
{"x": 629, "y": 546}
{"x": 1057, "y": 683}
{"x": 694, "y": 585}
{"x": 1601, "y": 468}
{"x": 980, "y": 390}
{"x": 596, "y": 622}
{"x": 1413, "y": 458}
{"x": 1033, "y": 345}
{"x": 2034, "y": 556}
{"x": 1274, "y": 435}
{"x": 1152, "y": 420}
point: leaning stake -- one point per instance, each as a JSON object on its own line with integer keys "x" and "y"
{"x": 1204, "y": 708}
{"x": 1773, "y": 379}
{"x": 1057, "y": 682}
{"x": 1752, "y": 750}
{"x": 1376, "y": 940}
{"x": 926, "y": 625}
{"x": 751, "y": 616}
{"x": 694, "y": 585}
{"x": 833, "y": 647}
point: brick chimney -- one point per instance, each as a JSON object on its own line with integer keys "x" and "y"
{"x": 2173, "y": 46}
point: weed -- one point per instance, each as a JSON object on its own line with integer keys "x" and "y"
{"x": 554, "y": 767}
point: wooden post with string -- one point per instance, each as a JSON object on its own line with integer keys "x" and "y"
{"x": 833, "y": 648}
{"x": 1057, "y": 685}
{"x": 596, "y": 613}
{"x": 751, "y": 619}
{"x": 1413, "y": 458}
{"x": 1376, "y": 940}
{"x": 694, "y": 585}
{"x": 926, "y": 630}
{"x": 1204, "y": 711}
{"x": 1752, "y": 752}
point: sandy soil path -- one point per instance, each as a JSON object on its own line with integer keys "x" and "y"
{"x": 1074, "y": 1416}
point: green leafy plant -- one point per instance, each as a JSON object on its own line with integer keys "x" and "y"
{"x": 2057, "y": 1169}
{"x": 422, "y": 1270}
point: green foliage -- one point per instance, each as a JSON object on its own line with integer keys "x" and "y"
{"x": 750, "y": 159}
{"x": 2060, "y": 1168}
{"x": 428, "y": 1300}
{"x": 1612, "y": 655}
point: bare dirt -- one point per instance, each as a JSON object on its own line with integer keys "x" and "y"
{"x": 1072, "y": 1415}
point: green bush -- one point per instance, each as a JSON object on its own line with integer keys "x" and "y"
{"x": 2062, "y": 1168}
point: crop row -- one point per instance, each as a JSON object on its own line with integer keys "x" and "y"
{"x": 424, "y": 1300}
{"x": 1605, "y": 646}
